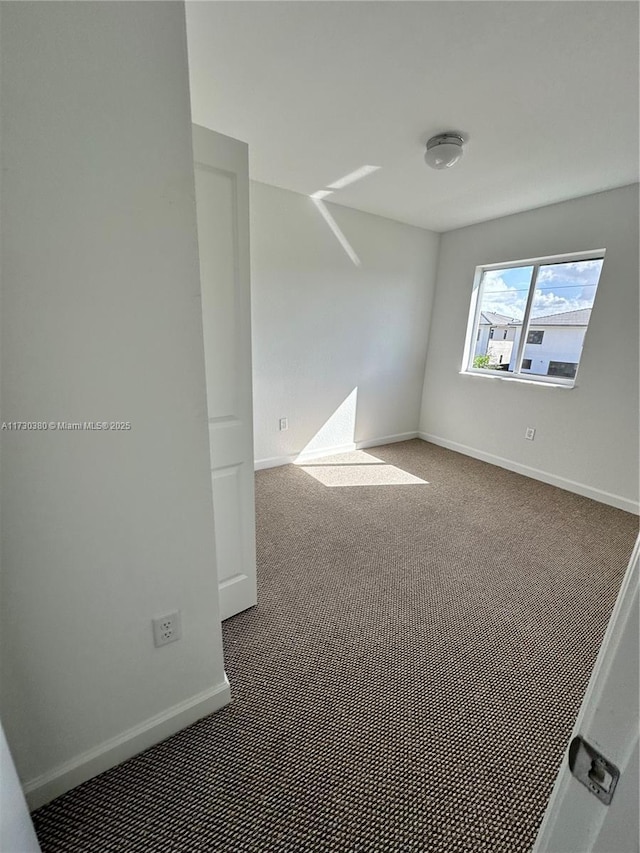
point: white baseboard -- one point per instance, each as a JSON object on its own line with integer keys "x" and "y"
{"x": 273, "y": 462}
{"x": 386, "y": 439}
{"x": 88, "y": 764}
{"x": 277, "y": 461}
{"x": 302, "y": 457}
{"x": 536, "y": 474}
{"x": 309, "y": 455}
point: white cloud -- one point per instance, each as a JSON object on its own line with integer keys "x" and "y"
{"x": 578, "y": 272}
{"x": 510, "y": 299}
{"x": 547, "y": 302}
{"x": 502, "y": 298}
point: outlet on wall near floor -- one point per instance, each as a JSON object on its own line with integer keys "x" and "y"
{"x": 284, "y": 424}
{"x": 167, "y": 628}
{"x": 530, "y": 433}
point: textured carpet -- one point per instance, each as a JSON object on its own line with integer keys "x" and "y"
{"x": 408, "y": 681}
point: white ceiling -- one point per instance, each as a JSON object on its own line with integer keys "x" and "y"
{"x": 547, "y": 93}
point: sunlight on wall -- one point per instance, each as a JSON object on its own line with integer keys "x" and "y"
{"x": 338, "y": 432}
{"x": 347, "y": 466}
{"x": 328, "y": 218}
{"x": 352, "y": 177}
{"x": 358, "y": 468}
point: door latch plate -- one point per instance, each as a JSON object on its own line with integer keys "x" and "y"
{"x": 591, "y": 768}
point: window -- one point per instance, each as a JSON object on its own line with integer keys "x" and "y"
{"x": 562, "y": 368}
{"x": 543, "y": 308}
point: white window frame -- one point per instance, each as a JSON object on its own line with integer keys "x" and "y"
{"x": 474, "y": 316}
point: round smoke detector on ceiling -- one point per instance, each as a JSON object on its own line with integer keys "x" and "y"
{"x": 444, "y": 150}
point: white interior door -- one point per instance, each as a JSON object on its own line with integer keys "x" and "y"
{"x": 576, "y": 821}
{"x": 222, "y": 199}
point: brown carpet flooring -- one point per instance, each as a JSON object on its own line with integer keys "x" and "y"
{"x": 408, "y": 681}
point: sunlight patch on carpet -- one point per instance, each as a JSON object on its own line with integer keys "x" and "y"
{"x": 358, "y": 468}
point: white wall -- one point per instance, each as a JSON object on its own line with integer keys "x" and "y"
{"x": 101, "y": 320}
{"x": 323, "y": 326}
{"x": 587, "y": 435}
{"x": 16, "y": 830}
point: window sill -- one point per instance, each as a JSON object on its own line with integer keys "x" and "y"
{"x": 497, "y": 374}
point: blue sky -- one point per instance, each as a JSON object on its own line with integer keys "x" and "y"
{"x": 559, "y": 288}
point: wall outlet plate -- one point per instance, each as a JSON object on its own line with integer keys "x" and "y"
{"x": 530, "y": 433}
{"x": 284, "y": 424}
{"x": 167, "y": 628}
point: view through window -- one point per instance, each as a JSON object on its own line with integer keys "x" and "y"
{"x": 530, "y": 320}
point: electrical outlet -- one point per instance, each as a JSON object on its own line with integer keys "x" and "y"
{"x": 284, "y": 424}
{"x": 167, "y": 628}
{"x": 530, "y": 433}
